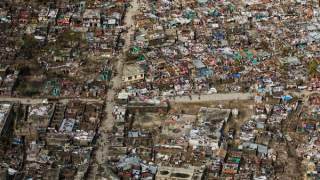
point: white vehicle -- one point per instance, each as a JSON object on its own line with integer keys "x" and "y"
{"x": 288, "y": 138}
{"x": 302, "y": 87}
{"x": 180, "y": 93}
{"x": 168, "y": 93}
{"x": 212, "y": 91}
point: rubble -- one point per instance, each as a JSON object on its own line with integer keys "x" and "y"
{"x": 145, "y": 89}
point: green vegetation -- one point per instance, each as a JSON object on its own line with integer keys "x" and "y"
{"x": 71, "y": 36}
{"x": 26, "y": 89}
{"x": 29, "y": 44}
{"x": 312, "y": 67}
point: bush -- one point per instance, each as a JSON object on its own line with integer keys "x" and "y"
{"x": 29, "y": 47}
{"x": 312, "y": 67}
{"x": 27, "y": 89}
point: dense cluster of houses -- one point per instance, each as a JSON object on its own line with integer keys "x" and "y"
{"x": 48, "y": 141}
{"x": 65, "y": 48}
{"x": 193, "y": 46}
{"x": 278, "y": 132}
{"x": 68, "y": 49}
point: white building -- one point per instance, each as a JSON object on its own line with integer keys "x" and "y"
{"x": 132, "y": 73}
{"x": 91, "y": 18}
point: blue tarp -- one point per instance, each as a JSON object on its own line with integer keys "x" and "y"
{"x": 215, "y": 13}
{"x": 286, "y": 97}
{"x": 226, "y": 68}
{"x": 218, "y": 36}
{"x": 261, "y": 90}
{"x": 236, "y": 75}
{"x": 205, "y": 72}
{"x": 16, "y": 141}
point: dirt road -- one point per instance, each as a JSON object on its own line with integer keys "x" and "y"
{"x": 108, "y": 121}
{"x": 45, "y": 100}
{"x": 212, "y": 97}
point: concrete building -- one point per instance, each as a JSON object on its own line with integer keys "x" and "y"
{"x": 132, "y": 73}
{"x": 91, "y": 18}
{"x": 173, "y": 173}
{"x": 6, "y": 120}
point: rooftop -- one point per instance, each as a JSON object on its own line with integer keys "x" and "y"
{"x": 132, "y": 70}
{"x": 4, "y": 111}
